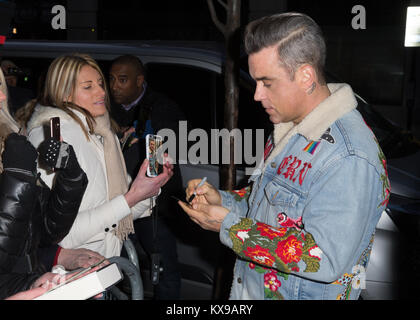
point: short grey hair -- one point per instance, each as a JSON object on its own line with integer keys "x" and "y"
{"x": 298, "y": 38}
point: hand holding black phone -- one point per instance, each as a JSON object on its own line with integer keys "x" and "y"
{"x": 55, "y": 128}
{"x": 55, "y": 131}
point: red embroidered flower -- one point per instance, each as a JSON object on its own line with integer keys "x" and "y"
{"x": 289, "y": 250}
{"x": 270, "y": 232}
{"x": 251, "y": 266}
{"x": 386, "y": 200}
{"x": 260, "y": 255}
{"x": 241, "y": 192}
{"x": 385, "y": 167}
{"x": 271, "y": 282}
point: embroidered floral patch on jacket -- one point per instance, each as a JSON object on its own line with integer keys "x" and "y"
{"x": 241, "y": 194}
{"x": 272, "y": 281}
{"x": 386, "y": 187}
{"x": 350, "y": 280}
{"x": 279, "y": 248}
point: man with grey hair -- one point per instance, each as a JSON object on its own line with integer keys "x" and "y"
{"x": 304, "y": 228}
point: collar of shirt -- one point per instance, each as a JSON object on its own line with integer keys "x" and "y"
{"x": 135, "y": 102}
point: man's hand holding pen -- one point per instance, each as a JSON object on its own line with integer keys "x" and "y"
{"x": 205, "y": 208}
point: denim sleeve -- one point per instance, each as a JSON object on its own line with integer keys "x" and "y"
{"x": 340, "y": 215}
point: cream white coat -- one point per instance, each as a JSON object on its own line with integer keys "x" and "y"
{"x": 97, "y": 215}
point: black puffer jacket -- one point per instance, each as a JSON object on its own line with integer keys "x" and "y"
{"x": 31, "y": 217}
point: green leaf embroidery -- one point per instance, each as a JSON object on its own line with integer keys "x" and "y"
{"x": 312, "y": 264}
{"x": 285, "y": 276}
{"x": 268, "y": 293}
{"x": 274, "y": 295}
{"x": 280, "y": 265}
{"x": 278, "y": 296}
{"x": 244, "y": 224}
{"x": 308, "y": 243}
{"x": 260, "y": 269}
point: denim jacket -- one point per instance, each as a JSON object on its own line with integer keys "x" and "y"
{"x": 304, "y": 228}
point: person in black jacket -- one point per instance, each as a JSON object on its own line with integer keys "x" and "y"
{"x": 33, "y": 217}
{"x": 139, "y": 111}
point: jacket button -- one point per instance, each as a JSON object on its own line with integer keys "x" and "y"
{"x": 273, "y": 165}
{"x": 114, "y": 225}
{"x": 239, "y": 280}
{"x": 106, "y": 229}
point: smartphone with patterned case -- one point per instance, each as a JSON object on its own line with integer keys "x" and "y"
{"x": 153, "y": 142}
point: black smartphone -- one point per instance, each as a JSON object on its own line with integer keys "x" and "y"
{"x": 55, "y": 128}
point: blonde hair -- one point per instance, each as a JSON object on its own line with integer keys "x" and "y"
{"x": 7, "y": 123}
{"x": 60, "y": 85}
{"x": 5, "y": 116}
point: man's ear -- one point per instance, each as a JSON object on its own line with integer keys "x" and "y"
{"x": 306, "y": 77}
{"x": 140, "y": 80}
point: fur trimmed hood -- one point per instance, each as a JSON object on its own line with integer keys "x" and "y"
{"x": 340, "y": 102}
{"x": 42, "y": 114}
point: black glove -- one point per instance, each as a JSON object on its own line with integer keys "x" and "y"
{"x": 19, "y": 154}
{"x": 60, "y": 155}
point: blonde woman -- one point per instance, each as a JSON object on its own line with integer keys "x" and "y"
{"x": 75, "y": 91}
{"x": 33, "y": 218}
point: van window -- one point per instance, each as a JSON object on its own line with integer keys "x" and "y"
{"x": 193, "y": 89}
{"x": 200, "y": 94}
{"x": 30, "y": 71}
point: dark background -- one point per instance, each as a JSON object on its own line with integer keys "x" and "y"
{"x": 373, "y": 60}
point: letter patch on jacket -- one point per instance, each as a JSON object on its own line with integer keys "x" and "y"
{"x": 292, "y": 168}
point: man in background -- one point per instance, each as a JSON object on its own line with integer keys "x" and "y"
{"x": 140, "y": 111}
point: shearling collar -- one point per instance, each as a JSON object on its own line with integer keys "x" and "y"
{"x": 42, "y": 115}
{"x": 341, "y": 101}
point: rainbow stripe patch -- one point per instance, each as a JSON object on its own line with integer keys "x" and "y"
{"x": 311, "y": 147}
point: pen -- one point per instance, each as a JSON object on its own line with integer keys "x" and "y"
{"x": 195, "y": 190}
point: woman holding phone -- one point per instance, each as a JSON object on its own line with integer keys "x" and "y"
{"x": 33, "y": 218}
{"x": 75, "y": 91}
